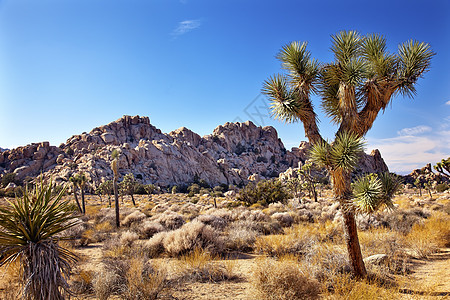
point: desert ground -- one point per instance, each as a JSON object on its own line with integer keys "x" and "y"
{"x": 171, "y": 246}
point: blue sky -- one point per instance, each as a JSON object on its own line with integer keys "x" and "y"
{"x": 69, "y": 66}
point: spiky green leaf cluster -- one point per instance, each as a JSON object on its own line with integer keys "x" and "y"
{"x": 372, "y": 192}
{"x": 29, "y": 228}
{"x": 343, "y": 154}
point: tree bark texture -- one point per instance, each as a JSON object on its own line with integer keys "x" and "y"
{"x": 116, "y": 202}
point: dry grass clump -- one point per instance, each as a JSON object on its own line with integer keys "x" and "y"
{"x": 170, "y": 220}
{"x": 284, "y": 218}
{"x": 213, "y": 221}
{"x": 283, "y": 280}
{"x": 149, "y": 228}
{"x": 135, "y": 216}
{"x": 82, "y": 282}
{"x": 254, "y": 216}
{"x": 130, "y": 279}
{"x": 385, "y": 241}
{"x": 128, "y": 237}
{"x": 185, "y": 239}
{"x": 199, "y": 266}
{"x": 239, "y": 237}
{"x": 428, "y": 237}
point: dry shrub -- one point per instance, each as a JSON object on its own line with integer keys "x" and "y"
{"x": 144, "y": 281}
{"x": 128, "y": 237}
{"x": 346, "y": 287}
{"x": 110, "y": 280}
{"x": 403, "y": 220}
{"x": 170, "y": 220}
{"x": 185, "y": 239}
{"x": 385, "y": 241}
{"x": 428, "y": 237}
{"x": 199, "y": 266}
{"x": 149, "y": 229}
{"x": 82, "y": 282}
{"x": 254, "y": 216}
{"x": 240, "y": 238}
{"x": 10, "y": 274}
{"x": 283, "y": 280}
{"x": 284, "y": 218}
{"x": 278, "y": 245}
{"x": 214, "y": 221}
{"x": 135, "y": 216}
{"x": 324, "y": 261}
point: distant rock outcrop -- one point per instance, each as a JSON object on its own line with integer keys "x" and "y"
{"x": 231, "y": 154}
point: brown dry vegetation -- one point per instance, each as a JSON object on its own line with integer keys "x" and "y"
{"x": 171, "y": 248}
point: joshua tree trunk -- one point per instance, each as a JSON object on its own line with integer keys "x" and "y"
{"x": 116, "y": 202}
{"x": 82, "y": 201}
{"x": 132, "y": 199}
{"x": 76, "y": 199}
{"x": 343, "y": 192}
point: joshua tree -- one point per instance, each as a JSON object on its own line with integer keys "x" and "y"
{"x": 429, "y": 185}
{"x": 115, "y": 168}
{"x": 28, "y": 229}
{"x": 127, "y": 186}
{"x": 361, "y": 81}
{"x": 74, "y": 181}
{"x": 105, "y": 188}
{"x": 443, "y": 166}
{"x": 81, "y": 181}
{"x": 418, "y": 185}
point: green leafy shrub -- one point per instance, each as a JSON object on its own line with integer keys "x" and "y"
{"x": 8, "y": 178}
{"x": 264, "y": 192}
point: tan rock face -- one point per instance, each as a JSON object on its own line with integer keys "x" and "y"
{"x": 232, "y": 153}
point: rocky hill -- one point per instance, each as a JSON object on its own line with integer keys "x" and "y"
{"x": 231, "y": 154}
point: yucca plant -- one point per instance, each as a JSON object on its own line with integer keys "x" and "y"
{"x": 361, "y": 81}
{"x": 29, "y": 226}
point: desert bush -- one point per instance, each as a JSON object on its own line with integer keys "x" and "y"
{"x": 284, "y": 218}
{"x": 428, "y": 237}
{"x": 240, "y": 238}
{"x": 127, "y": 238}
{"x": 82, "y": 282}
{"x": 214, "y": 221}
{"x": 185, "y": 239}
{"x": 283, "y": 280}
{"x": 199, "y": 266}
{"x": 135, "y": 216}
{"x": 254, "y": 216}
{"x": 143, "y": 280}
{"x": 170, "y": 220}
{"x": 442, "y": 187}
{"x": 325, "y": 262}
{"x": 403, "y": 220}
{"x": 264, "y": 192}
{"x": 149, "y": 229}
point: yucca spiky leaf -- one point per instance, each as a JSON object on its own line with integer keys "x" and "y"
{"x": 346, "y": 151}
{"x": 367, "y": 191}
{"x": 346, "y": 45}
{"x": 284, "y": 104}
{"x": 302, "y": 70}
{"x": 391, "y": 184}
{"x": 320, "y": 154}
{"x": 414, "y": 60}
{"x": 28, "y": 231}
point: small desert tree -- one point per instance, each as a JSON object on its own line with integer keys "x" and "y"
{"x": 81, "y": 181}
{"x": 128, "y": 185}
{"x": 418, "y": 184}
{"x": 105, "y": 188}
{"x": 28, "y": 233}
{"x": 74, "y": 181}
{"x": 361, "y": 81}
{"x": 115, "y": 168}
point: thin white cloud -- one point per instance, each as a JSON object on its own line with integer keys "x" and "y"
{"x": 447, "y": 103}
{"x": 414, "y": 130}
{"x": 405, "y": 153}
{"x": 185, "y": 27}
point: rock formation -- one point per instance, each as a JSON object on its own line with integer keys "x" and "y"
{"x": 231, "y": 154}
